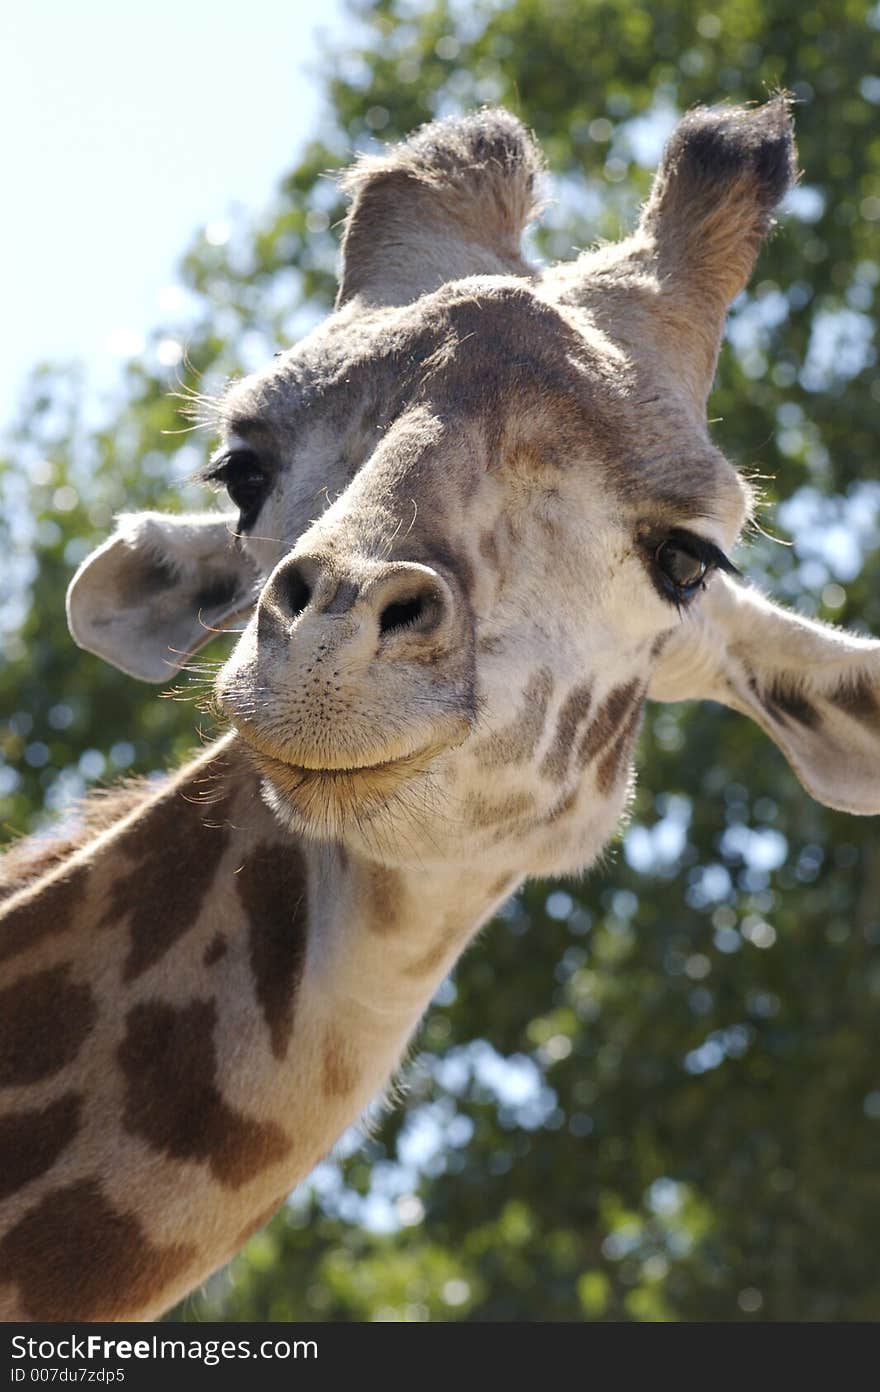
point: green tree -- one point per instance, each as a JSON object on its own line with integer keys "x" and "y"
{"x": 653, "y": 1095}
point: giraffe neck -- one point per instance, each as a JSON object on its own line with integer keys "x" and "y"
{"x": 193, "y": 1007}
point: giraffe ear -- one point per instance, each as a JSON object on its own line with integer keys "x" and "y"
{"x": 452, "y": 201}
{"x": 711, "y": 206}
{"x": 814, "y": 689}
{"x": 158, "y": 590}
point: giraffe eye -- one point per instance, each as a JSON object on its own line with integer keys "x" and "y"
{"x": 246, "y": 482}
{"x": 682, "y": 562}
{"x": 680, "y": 566}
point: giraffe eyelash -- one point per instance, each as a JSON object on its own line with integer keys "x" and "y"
{"x": 219, "y": 469}
{"x": 680, "y": 589}
{"x": 706, "y": 550}
{"x": 245, "y": 479}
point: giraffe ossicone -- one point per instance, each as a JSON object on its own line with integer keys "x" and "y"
{"x": 478, "y": 520}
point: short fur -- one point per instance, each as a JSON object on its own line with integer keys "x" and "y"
{"x": 472, "y": 483}
{"x": 471, "y": 184}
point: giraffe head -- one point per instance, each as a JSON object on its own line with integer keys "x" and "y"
{"x": 479, "y": 518}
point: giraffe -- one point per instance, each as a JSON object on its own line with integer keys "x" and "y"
{"x": 477, "y": 521}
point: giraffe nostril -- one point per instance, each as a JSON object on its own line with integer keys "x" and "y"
{"x": 401, "y": 614}
{"x": 296, "y": 591}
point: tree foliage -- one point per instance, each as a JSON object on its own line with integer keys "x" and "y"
{"x": 653, "y": 1095}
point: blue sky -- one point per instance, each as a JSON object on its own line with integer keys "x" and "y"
{"x": 127, "y": 129}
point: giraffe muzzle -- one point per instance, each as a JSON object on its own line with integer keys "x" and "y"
{"x": 350, "y": 681}
{"x": 393, "y": 608}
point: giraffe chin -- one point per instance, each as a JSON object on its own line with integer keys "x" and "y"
{"x": 324, "y": 803}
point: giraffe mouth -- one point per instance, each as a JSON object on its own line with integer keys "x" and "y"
{"x": 310, "y": 774}
{"x": 322, "y": 802}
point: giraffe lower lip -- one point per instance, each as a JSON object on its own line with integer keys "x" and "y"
{"x": 451, "y": 731}
{"x": 324, "y": 802}
{"x": 341, "y": 792}
{"x": 352, "y": 771}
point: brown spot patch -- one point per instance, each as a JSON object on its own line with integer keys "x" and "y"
{"x": 44, "y": 1021}
{"x": 172, "y": 855}
{"x": 429, "y": 961}
{"x": 784, "y": 700}
{"x": 562, "y": 808}
{"x": 272, "y": 887}
{"x": 172, "y": 1100}
{"x": 215, "y": 950}
{"x": 483, "y": 812}
{"x": 75, "y": 1257}
{"x": 340, "y": 1072}
{"x": 857, "y": 698}
{"x": 516, "y": 742}
{"x": 384, "y": 897}
{"x": 45, "y": 911}
{"x": 31, "y": 1142}
{"x": 660, "y": 642}
{"x": 617, "y": 756}
{"x": 608, "y": 720}
{"x": 575, "y": 708}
